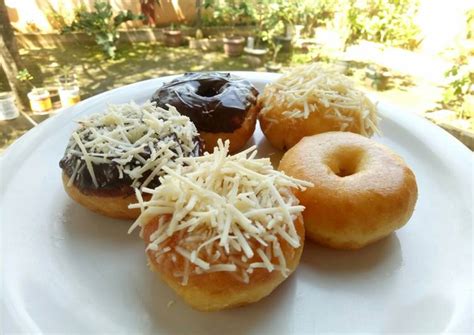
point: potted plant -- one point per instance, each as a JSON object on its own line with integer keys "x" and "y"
{"x": 173, "y": 36}
{"x": 195, "y": 42}
{"x": 234, "y": 44}
{"x": 285, "y": 12}
{"x": 380, "y": 77}
{"x": 40, "y": 99}
{"x": 209, "y": 43}
{"x": 254, "y": 46}
{"x": 68, "y": 88}
{"x": 273, "y": 65}
{"x": 8, "y": 110}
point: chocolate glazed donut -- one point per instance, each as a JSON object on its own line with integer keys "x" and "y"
{"x": 219, "y": 104}
{"x": 112, "y": 155}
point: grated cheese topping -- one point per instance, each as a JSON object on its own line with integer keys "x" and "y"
{"x": 307, "y": 88}
{"x": 139, "y": 141}
{"x": 221, "y": 213}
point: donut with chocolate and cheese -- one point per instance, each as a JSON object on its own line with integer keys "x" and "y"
{"x": 113, "y": 154}
{"x": 223, "y": 231}
{"x": 221, "y": 105}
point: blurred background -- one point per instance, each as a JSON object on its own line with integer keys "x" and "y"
{"x": 416, "y": 54}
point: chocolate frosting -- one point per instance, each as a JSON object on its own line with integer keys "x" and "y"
{"x": 215, "y": 102}
{"x": 107, "y": 175}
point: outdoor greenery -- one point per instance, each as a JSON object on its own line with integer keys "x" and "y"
{"x": 459, "y": 94}
{"x": 25, "y": 77}
{"x": 385, "y": 21}
{"x": 275, "y": 13}
{"x": 470, "y": 23}
{"x": 230, "y": 13}
{"x": 102, "y": 24}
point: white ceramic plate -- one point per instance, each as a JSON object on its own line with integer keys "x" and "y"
{"x": 65, "y": 269}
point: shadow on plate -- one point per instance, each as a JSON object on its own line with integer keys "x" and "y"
{"x": 329, "y": 268}
{"x": 79, "y": 223}
{"x": 180, "y": 318}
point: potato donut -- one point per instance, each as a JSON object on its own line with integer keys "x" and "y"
{"x": 362, "y": 190}
{"x": 223, "y": 231}
{"x": 313, "y": 99}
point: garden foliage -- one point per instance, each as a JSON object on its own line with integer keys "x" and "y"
{"x": 102, "y": 24}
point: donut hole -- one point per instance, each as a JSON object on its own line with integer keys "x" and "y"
{"x": 346, "y": 162}
{"x": 210, "y": 88}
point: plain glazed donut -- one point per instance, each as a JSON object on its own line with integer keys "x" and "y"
{"x": 221, "y": 105}
{"x": 313, "y": 99}
{"x": 362, "y": 190}
{"x": 113, "y": 154}
{"x": 223, "y": 231}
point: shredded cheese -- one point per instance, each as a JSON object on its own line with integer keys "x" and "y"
{"x": 307, "y": 88}
{"x": 138, "y": 140}
{"x": 226, "y": 213}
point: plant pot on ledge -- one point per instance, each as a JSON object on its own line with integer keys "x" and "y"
{"x": 273, "y": 66}
{"x": 173, "y": 38}
{"x": 234, "y": 46}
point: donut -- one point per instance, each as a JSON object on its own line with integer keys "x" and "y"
{"x": 313, "y": 99}
{"x": 223, "y": 231}
{"x": 221, "y": 105}
{"x": 362, "y": 190}
{"x": 113, "y": 154}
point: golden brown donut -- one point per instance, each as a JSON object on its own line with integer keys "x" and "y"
{"x": 238, "y": 138}
{"x": 108, "y": 204}
{"x": 112, "y": 154}
{"x": 223, "y": 231}
{"x": 362, "y": 190}
{"x": 313, "y": 99}
{"x": 222, "y": 290}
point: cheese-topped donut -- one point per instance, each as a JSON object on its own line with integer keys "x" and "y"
{"x": 312, "y": 99}
{"x": 222, "y": 106}
{"x": 223, "y": 231}
{"x": 126, "y": 148}
{"x": 362, "y": 190}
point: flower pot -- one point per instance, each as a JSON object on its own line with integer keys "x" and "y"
{"x": 69, "y": 95}
{"x": 273, "y": 67}
{"x": 40, "y": 101}
{"x": 379, "y": 76}
{"x": 285, "y": 42}
{"x": 207, "y": 44}
{"x": 234, "y": 46}
{"x": 173, "y": 38}
{"x": 8, "y": 110}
